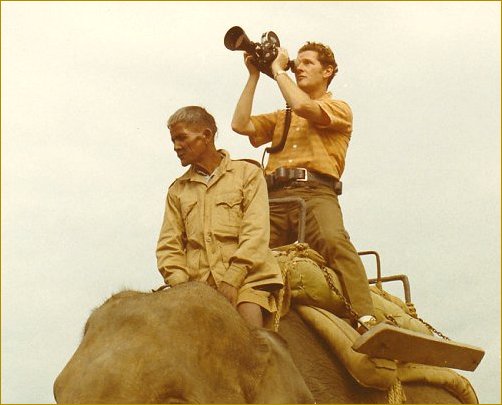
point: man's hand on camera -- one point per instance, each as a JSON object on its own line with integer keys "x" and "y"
{"x": 248, "y": 60}
{"x": 281, "y": 61}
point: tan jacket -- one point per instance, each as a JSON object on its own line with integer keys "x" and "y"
{"x": 219, "y": 228}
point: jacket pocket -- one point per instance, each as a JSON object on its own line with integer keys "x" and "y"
{"x": 228, "y": 214}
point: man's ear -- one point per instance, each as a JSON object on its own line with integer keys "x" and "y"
{"x": 208, "y": 135}
{"x": 328, "y": 71}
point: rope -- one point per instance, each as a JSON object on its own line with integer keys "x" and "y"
{"x": 280, "y": 301}
{"x": 282, "y": 292}
{"x": 396, "y": 394}
{"x": 412, "y": 310}
{"x": 302, "y": 250}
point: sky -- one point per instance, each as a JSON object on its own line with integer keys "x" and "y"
{"x": 87, "y": 88}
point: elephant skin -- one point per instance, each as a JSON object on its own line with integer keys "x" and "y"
{"x": 186, "y": 344}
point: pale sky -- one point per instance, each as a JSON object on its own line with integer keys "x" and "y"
{"x": 87, "y": 88}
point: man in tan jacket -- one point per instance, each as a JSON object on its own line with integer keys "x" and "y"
{"x": 216, "y": 222}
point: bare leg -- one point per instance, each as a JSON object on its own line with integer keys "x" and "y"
{"x": 251, "y": 313}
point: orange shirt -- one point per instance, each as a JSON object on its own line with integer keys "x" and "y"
{"x": 320, "y": 148}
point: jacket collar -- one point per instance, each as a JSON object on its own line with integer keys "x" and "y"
{"x": 192, "y": 174}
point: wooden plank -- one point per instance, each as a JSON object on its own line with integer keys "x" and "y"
{"x": 391, "y": 342}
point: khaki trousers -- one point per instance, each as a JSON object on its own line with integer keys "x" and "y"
{"x": 264, "y": 299}
{"x": 325, "y": 233}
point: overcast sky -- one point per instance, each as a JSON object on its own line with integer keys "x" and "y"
{"x": 86, "y": 158}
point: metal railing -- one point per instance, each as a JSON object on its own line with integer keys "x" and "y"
{"x": 302, "y": 218}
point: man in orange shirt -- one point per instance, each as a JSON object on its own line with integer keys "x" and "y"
{"x": 310, "y": 164}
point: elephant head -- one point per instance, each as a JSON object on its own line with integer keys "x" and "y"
{"x": 186, "y": 344}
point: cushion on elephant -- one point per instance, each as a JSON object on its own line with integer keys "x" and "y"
{"x": 307, "y": 285}
{"x": 388, "y": 306}
{"x": 446, "y": 378}
{"x": 378, "y": 373}
{"x": 339, "y": 336}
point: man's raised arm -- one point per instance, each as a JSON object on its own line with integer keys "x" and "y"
{"x": 241, "y": 122}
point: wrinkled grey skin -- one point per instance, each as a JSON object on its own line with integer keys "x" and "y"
{"x": 183, "y": 345}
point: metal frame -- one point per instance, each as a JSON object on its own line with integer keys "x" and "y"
{"x": 301, "y": 239}
{"x": 302, "y": 219}
{"x": 379, "y": 279}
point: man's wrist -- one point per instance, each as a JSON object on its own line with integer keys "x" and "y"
{"x": 254, "y": 75}
{"x": 234, "y": 276}
{"x": 279, "y": 72}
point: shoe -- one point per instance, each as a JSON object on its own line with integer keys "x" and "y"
{"x": 365, "y": 323}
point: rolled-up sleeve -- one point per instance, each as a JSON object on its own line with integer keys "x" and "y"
{"x": 264, "y": 126}
{"x": 254, "y": 232}
{"x": 339, "y": 113}
{"x": 171, "y": 246}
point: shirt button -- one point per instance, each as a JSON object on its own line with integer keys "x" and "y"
{"x": 208, "y": 238}
{"x": 295, "y": 146}
{"x": 290, "y": 160}
{"x": 297, "y": 129}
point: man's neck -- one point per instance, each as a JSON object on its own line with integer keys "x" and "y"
{"x": 211, "y": 161}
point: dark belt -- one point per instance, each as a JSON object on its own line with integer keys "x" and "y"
{"x": 299, "y": 176}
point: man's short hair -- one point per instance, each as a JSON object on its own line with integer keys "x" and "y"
{"x": 325, "y": 55}
{"x": 193, "y": 115}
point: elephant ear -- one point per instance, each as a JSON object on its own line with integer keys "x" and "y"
{"x": 268, "y": 340}
{"x": 279, "y": 380}
{"x": 255, "y": 363}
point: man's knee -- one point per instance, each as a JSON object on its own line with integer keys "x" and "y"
{"x": 251, "y": 312}
{"x": 330, "y": 239}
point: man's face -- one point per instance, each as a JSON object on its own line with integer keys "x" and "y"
{"x": 310, "y": 73}
{"x": 189, "y": 141}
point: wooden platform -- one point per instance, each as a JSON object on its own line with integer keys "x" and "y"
{"x": 390, "y": 342}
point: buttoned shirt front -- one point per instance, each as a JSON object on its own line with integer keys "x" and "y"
{"x": 320, "y": 148}
{"x": 218, "y": 226}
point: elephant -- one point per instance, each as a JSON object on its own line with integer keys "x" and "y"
{"x": 187, "y": 344}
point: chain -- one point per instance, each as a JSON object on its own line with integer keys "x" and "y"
{"x": 353, "y": 314}
{"x": 391, "y": 319}
{"x": 433, "y": 329}
{"x": 413, "y": 313}
{"x": 298, "y": 248}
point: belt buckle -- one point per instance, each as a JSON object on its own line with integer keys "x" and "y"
{"x": 305, "y": 174}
